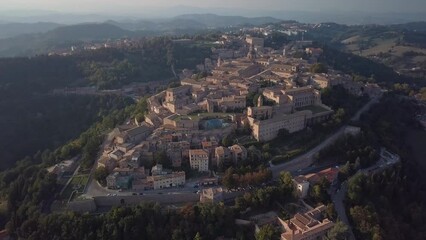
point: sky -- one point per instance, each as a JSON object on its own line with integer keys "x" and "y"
{"x": 123, "y": 6}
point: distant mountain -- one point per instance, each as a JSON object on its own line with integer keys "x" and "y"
{"x": 213, "y": 20}
{"x": 159, "y": 25}
{"x": 87, "y": 32}
{"x": 30, "y": 44}
{"x": 412, "y": 26}
{"x": 192, "y": 21}
{"x": 8, "y": 30}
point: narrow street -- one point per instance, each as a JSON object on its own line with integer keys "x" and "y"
{"x": 299, "y": 165}
{"x": 338, "y": 197}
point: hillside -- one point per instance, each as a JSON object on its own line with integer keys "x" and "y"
{"x": 8, "y": 30}
{"x": 401, "y": 46}
{"x": 159, "y": 26}
{"x": 31, "y": 44}
{"x": 192, "y": 21}
{"x": 37, "y": 119}
{"x": 87, "y": 32}
{"x": 212, "y": 20}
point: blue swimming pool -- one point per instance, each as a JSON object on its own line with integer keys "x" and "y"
{"x": 213, "y": 124}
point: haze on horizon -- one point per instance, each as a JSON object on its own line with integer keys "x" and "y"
{"x": 133, "y": 6}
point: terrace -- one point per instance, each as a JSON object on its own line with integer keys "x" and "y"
{"x": 314, "y": 108}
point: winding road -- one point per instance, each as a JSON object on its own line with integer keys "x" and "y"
{"x": 302, "y": 164}
{"x": 305, "y": 161}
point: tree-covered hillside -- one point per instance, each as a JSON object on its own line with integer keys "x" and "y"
{"x": 34, "y": 119}
{"x": 106, "y": 68}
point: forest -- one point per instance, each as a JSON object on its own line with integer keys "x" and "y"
{"x": 37, "y": 120}
{"x": 106, "y": 68}
{"x": 43, "y": 128}
{"x": 146, "y": 221}
{"x": 357, "y": 65}
{"x": 391, "y": 204}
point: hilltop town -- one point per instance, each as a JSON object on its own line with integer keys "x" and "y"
{"x": 189, "y": 121}
{"x": 271, "y": 130}
{"x": 225, "y": 115}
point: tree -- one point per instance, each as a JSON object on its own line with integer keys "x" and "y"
{"x": 228, "y": 140}
{"x": 423, "y": 94}
{"x": 228, "y": 179}
{"x": 100, "y": 174}
{"x": 319, "y": 68}
{"x": 339, "y": 116}
{"x": 266, "y": 147}
{"x": 355, "y": 188}
{"x": 241, "y": 203}
{"x": 255, "y": 99}
{"x": 267, "y": 232}
{"x": 161, "y": 158}
{"x": 286, "y": 180}
{"x": 340, "y": 231}
{"x": 198, "y": 236}
{"x": 253, "y": 153}
{"x": 286, "y": 184}
{"x": 330, "y": 212}
{"x": 317, "y": 193}
{"x": 366, "y": 221}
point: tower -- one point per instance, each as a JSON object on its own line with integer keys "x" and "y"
{"x": 260, "y": 101}
{"x": 210, "y": 106}
{"x": 252, "y": 53}
{"x": 219, "y": 62}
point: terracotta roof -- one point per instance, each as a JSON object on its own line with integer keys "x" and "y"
{"x": 198, "y": 152}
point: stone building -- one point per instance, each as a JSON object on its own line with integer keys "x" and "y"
{"x": 306, "y": 226}
{"x": 199, "y": 159}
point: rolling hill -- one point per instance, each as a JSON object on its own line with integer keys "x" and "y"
{"x": 41, "y": 38}
{"x": 193, "y": 21}
{"x": 8, "y": 30}
{"x": 213, "y": 20}
{"x": 31, "y": 44}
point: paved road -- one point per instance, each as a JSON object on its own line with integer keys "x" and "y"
{"x": 93, "y": 188}
{"x": 297, "y": 166}
{"x": 304, "y": 161}
{"x": 365, "y": 108}
{"x": 98, "y": 190}
{"x": 338, "y": 197}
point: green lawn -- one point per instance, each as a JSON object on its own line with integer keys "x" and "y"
{"x": 77, "y": 183}
{"x": 199, "y": 116}
{"x": 314, "y": 108}
{"x": 295, "y": 144}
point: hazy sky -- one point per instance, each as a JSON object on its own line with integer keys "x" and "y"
{"x": 112, "y": 6}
